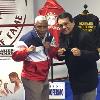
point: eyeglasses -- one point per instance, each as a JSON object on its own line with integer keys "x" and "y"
{"x": 64, "y": 24}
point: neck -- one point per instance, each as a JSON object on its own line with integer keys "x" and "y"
{"x": 17, "y": 85}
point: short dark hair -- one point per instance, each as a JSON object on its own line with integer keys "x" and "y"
{"x": 65, "y": 15}
{"x": 13, "y": 74}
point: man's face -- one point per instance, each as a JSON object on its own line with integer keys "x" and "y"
{"x": 12, "y": 79}
{"x": 41, "y": 27}
{"x": 66, "y": 25}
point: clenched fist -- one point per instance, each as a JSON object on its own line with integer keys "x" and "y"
{"x": 76, "y": 51}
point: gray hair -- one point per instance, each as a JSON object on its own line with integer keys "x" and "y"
{"x": 40, "y": 18}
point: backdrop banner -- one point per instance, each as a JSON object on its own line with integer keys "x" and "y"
{"x": 14, "y": 14}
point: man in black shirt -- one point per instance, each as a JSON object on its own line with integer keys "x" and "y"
{"x": 80, "y": 55}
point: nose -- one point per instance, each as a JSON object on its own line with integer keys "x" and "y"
{"x": 42, "y": 28}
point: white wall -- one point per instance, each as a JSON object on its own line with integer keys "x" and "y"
{"x": 74, "y": 6}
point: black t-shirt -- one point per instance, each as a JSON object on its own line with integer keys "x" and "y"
{"x": 87, "y": 22}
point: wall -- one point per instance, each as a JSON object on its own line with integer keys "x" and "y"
{"x": 74, "y": 6}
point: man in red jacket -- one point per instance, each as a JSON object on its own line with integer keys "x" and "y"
{"x": 33, "y": 49}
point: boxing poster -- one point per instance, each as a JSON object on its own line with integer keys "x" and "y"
{"x": 15, "y": 19}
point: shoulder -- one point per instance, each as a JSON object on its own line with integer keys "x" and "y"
{"x": 28, "y": 35}
{"x": 27, "y": 38}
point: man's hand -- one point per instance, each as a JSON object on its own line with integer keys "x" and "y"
{"x": 76, "y": 51}
{"x": 61, "y": 51}
{"x": 3, "y": 92}
{"x": 32, "y": 48}
{"x": 98, "y": 50}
